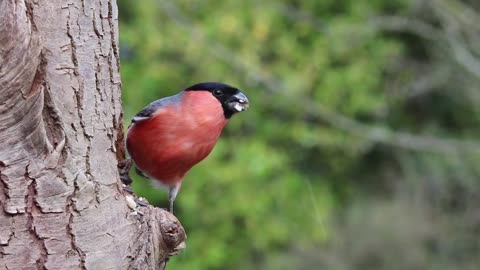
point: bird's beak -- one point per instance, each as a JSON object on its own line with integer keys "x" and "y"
{"x": 238, "y": 102}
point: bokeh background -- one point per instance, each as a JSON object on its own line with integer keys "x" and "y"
{"x": 361, "y": 147}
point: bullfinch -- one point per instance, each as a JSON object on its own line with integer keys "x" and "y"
{"x": 170, "y": 135}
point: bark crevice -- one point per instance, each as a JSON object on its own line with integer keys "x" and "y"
{"x": 31, "y": 211}
{"x": 71, "y": 210}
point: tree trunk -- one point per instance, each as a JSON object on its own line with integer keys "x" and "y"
{"x": 62, "y": 205}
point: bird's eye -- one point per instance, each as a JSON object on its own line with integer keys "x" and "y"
{"x": 217, "y": 92}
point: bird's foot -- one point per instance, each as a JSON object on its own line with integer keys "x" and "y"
{"x": 125, "y": 165}
{"x": 141, "y": 201}
{"x": 128, "y": 189}
{"x": 123, "y": 169}
{"x": 126, "y": 179}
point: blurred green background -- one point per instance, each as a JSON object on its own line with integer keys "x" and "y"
{"x": 360, "y": 150}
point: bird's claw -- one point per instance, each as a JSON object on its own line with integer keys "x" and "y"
{"x": 141, "y": 202}
{"x": 123, "y": 169}
{"x": 128, "y": 189}
{"x": 126, "y": 179}
{"x": 124, "y": 166}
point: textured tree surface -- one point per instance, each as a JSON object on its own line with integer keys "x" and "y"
{"x": 62, "y": 205}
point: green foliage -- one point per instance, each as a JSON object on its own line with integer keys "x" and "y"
{"x": 326, "y": 87}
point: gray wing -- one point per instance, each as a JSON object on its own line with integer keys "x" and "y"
{"x": 151, "y": 108}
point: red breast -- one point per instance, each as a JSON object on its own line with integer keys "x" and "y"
{"x": 177, "y": 136}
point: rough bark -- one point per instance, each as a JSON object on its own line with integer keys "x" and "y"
{"x": 61, "y": 201}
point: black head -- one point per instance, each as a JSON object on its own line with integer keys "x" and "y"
{"x": 232, "y": 99}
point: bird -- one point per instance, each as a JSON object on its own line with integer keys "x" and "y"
{"x": 172, "y": 134}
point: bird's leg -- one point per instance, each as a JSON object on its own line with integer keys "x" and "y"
{"x": 123, "y": 169}
{"x": 172, "y": 194}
